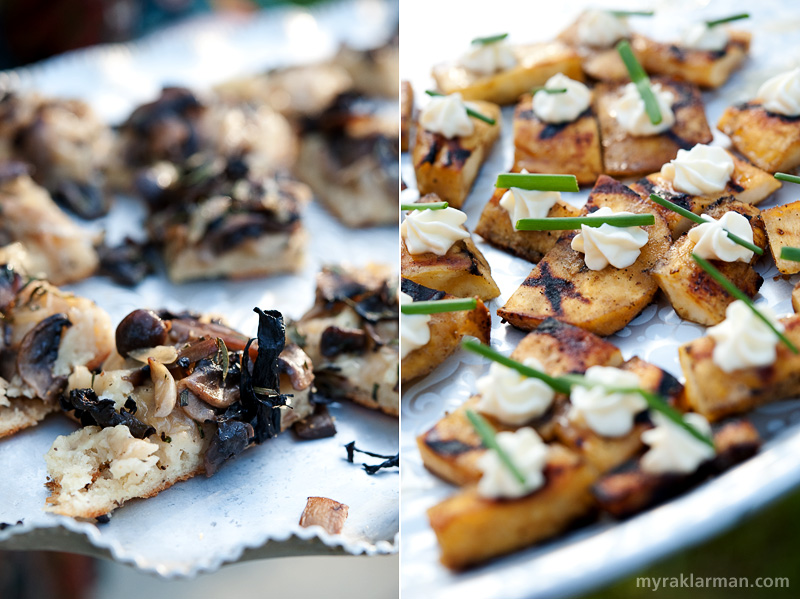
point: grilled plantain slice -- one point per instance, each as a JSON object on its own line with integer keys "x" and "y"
{"x": 406, "y": 114}
{"x": 448, "y": 167}
{"x": 462, "y": 271}
{"x": 605, "y": 453}
{"x": 603, "y": 301}
{"x": 630, "y": 490}
{"x": 602, "y": 64}
{"x": 770, "y": 141}
{"x": 715, "y": 393}
{"x": 748, "y": 184}
{"x": 571, "y": 148}
{"x": 704, "y": 68}
{"x": 626, "y": 155}
{"x": 451, "y": 448}
{"x": 496, "y": 227}
{"x": 796, "y": 298}
{"x": 472, "y": 529}
{"x": 783, "y": 230}
{"x": 696, "y": 296}
{"x": 447, "y": 330}
{"x": 536, "y": 63}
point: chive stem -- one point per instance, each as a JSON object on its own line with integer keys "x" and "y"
{"x": 564, "y": 384}
{"x": 788, "y": 178}
{"x": 575, "y": 222}
{"x": 740, "y": 295}
{"x": 439, "y": 306}
{"x": 425, "y": 206}
{"x": 737, "y": 17}
{"x": 537, "y": 182}
{"x": 632, "y": 13}
{"x": 549, "y": 90}
{"x": 641, "y": 80}
{"x": 486, "y": 433}
{"x": 790, "y": 253}
{"x": 470, "y": 112}
{"x": 491, "y": 39}
{"x": 699, "y": 220}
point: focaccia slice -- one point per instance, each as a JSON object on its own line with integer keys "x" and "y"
{"x": 625, "y": 155}
{"x": 451, "y": 448}
{"x": 351, "y": 335}
{"x": 448, "y": 167}
{"x": 536, "y": 63}
{"x": 603, "y": 301}
{"x": 447, "y": 330}
{"x": 178, "y": 400}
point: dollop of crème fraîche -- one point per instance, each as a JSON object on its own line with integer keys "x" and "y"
{"x": 415, "y": 332}
{"x": 674, "y": 449}
{"x": 447, "y": 115}
{"x": 703, "y": 170}
{"x": 528, "y": 453}
{"x": 712, "y": 242}
{"x": 618, "y": 246}
{"x": 781, "y": 94}
{"x": 699, "y": 36}
{"x": 433, "y": 230}
{"x": 743, "y": 340}
{"x": 489, "y": 58}
{"x": 561, "y": 107}
{"x": 511, "y": 397}
{"x": 528, "y": 203}
{"x": 630, "y": 113}
{"x": 601, "y": 28}
{"x": 610, "y": 414}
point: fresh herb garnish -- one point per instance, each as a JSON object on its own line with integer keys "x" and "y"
{"x": 425, "y": 206}
{"x": 632, "y": 13}
{"x": 470, "y": 112}
{"x": 575, "y": 222}
{"x": 491, "y": 39}
{"x": 549, "y": 90}
{"x": 439, "y": 306}
{"x": 697, "y": 219}
{"x": 223, "y": 357}
{"x": 790, "y": 253}
{"x": 641, "y": 81}
{"x": 787, "y": 177}
{"x": 486, "y": 433}
{"x": 737, "y": 17}
{"x": 740, "y": 295}
{"x": 537, "y": 182}
{"x": 563, "y": 384}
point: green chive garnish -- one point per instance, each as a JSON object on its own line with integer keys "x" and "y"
{"x": 740, "y": 295}
{"x": 536, "y": 182}
{"x": 439, "y": 306}
{"x": 490, "y": 39}
{"x": 789, "y": 178}
{"x": 486, "y": 433}
{"x": 425, "y": 206}
{"x": 696, "y": 219}
{"x": 564, "y": 384}
{"x": 641, "y": 80}
{"x": 632, "y": 13}
{"x": 574, "y": 222}
{"x": 738, "y": 17}
{"x": 788, "y": 253}
{"x": 470, "y": 112}
{"x": 549, "y": 90}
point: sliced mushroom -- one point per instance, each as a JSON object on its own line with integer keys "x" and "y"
{"x": 198, "y": 350}
{"x": 324, "y": 512}
{"x": 206, "y": 383}
{"x": 194, "y": 408}
{"x": 164, "y": 389}
{"x": 165, "y": 354}
{"x": 140, "y": 329}
{"x": 338, "y": 340}
{"x": 38, "y": 353}
{"x": 190, "y": 329}
{"x": 296, "y": 363}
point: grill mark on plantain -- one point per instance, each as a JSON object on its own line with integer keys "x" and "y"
{"x": 430, "y": 157}
{"x": 756, "y": 106}
{"x": 555, "y": 288}
{"x": 456, "y": 155}
{"x": 420, "y": 293}
{"x": 681, "y": 199}
{"x": 449, "y": 447}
